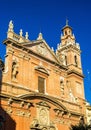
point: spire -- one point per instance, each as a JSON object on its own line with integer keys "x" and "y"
{"x": 67, "y": 22}
{"x": 67, "y": 25}
{"x": 67, "y": 36}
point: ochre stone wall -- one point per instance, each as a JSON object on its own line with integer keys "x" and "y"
{"x": 22, "y": 104}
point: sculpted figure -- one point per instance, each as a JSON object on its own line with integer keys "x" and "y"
{"x": 11, "y": 26}
{"x": 14, "y": 70}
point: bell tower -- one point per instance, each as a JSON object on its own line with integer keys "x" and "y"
{"x": 68, "y": 50}
{"x": 69, "y": 54}
{"x": 67, "y": 36}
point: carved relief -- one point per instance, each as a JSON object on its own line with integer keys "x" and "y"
{"x": 59, "y": 121}
{"x": 52, "y": 128}
{"x": 28, "y": 105}
{"x": 44, "y": 128}
{"x": 10, "y": 50}
{"x": 43, "y": 117}
{"x": 22, "y": 104}
{"x": 62, "y": 58}
{"x": 9, "y": 110}
{"x": 20, "y": 113}
{"x": 71, "y": 96}
{"x": 44, "y": 104}
{"x": 42, "y": 70}
{"x": 41, "y": 49}
{"x": 27, "y": 114}
{"x": 23, "y": 113}
{"x": 10, "y": 101}
{"x": 42, "y": 120}
{"x": 59, "y": 112}
{"x": 43, "y": 113}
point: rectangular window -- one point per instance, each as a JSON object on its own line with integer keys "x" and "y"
{"x": 41, "y": 85}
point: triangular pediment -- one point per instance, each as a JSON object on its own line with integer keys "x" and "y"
{"x": 42, "y": 49}
{"x": 42, "y": 69}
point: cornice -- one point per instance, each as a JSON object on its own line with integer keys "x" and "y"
{"x": 14, "y": 98}
{"x": 44, "y": 97}
{"x": 28, "y": 98}
{"x": 75, "y": 72}
{"x": 70, "y": 46}
{"x": 56, "y": 102}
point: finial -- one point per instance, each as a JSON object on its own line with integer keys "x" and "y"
{"x": 58, "y": 46}
{"x": 26, "y": 36}
{"x": 21, "y": 32}
{"x": 67, "y": 21}
{"x": 52, "y": 49}
{"x": 40, "y": 37}
{"x": 11, "y": 26}
{"x": 56, "y": 51}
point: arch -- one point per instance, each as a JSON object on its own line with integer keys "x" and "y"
{"x": 47, "y": 98}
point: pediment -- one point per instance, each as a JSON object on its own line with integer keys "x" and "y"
{"x": 45, "y": 99}
{"x": 42, "y": 69}
{"x": 42, "y": 49}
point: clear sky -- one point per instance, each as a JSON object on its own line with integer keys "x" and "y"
{"x": 49, "y": 16}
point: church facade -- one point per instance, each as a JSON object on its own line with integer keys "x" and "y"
{"x": 41, "y": 89}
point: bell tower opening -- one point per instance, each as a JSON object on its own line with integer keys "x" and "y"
{"x": 75, "y": 58}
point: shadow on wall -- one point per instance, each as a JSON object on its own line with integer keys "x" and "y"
{"x": 6, "y": 122}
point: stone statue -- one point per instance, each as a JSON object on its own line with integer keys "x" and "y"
{"x": 21, "y": 32}
{"x": 11, "y": 26}
{"x": 72, "y": 98}
{"x": 63, "y": 58}
{"x": 14, "y": 70}
{"x": 26, "y": 36}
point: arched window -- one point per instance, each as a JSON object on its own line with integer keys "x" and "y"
{"x": 65, "y": 32}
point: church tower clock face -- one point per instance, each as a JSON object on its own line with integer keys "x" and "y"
{"x": 43, "y": 118}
